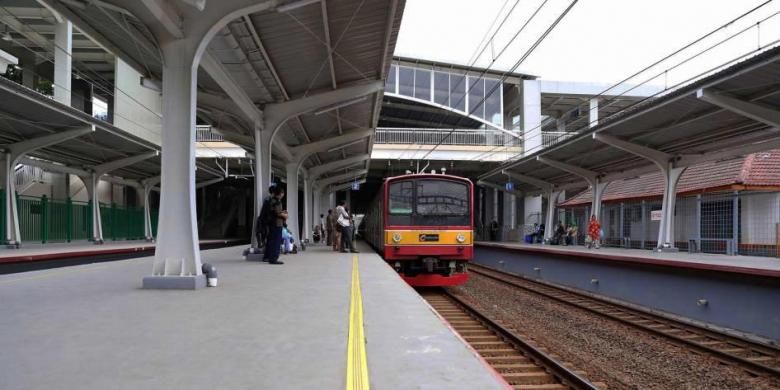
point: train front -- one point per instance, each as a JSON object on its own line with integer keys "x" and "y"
{"x": 428, "y": 228}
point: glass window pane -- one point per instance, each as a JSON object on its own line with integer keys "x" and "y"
{"x": 476, "y": 97}
{"x": 406, "y": 81}
{"x": 493, "y": 102}
{"x": 401, "y": 196}
{"x": 390, "y": 82}
{"x": 422, "y": 84}
{"x": 458, "y": 92}
{"x": 441, "y": 197}
{"x": 441, "y": 88}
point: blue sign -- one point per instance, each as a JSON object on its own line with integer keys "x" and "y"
{"x": 510, "y": 186}
{"x": 356, "y": 186}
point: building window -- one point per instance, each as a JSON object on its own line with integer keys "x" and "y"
{"x": 458, "y": 92}
{"x": 476, "y": 97}
{"x": 441, "y": 88}
{"x": 493, "y": 112}
{"x": 406, "y": 81}
{"x": 422, "y": 84}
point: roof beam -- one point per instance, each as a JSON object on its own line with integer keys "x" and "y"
{"x": 319, "y": 170}
{"x": 658, "y": 157}
{"x": 586, "y": 174}
{"x": 326, "y": 29}
{"x": 167, "y": 15}
{"x": 303, "y": 151}
{"x": 340, "y": 178}
{"x": 276, "y": 114}
{"x": 544, "y": 185}
{"x": 745, "y": 108}
{"x": 733, "y": 152}
{"x": 106, "y": 167}
{"x": 217, "y": 71}
{"x": 21, "y": 148}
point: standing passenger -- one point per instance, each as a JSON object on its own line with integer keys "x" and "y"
{"x": 594, "y": 232}
{"x": 336, "y": 242}
{"x": 346, "y": 228}
{"x": 329, "y": 227}
{"x": 274, "y": 241}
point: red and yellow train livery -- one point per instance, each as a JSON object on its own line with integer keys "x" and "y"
{"x": 422, "y": 225}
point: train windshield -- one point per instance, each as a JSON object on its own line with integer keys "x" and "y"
{"x": 429, "y": 202}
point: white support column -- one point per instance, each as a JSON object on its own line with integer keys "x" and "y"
{"x": 670, "y": 171}
{"x": 560, "y": 125}
{"x": 308, "y": 218}
{"x": 147, "y": 186}
{"x": 532, "y": 116}
{"x": 552, "y": 200}
{"x": 13, "y": 154}
{"x": 177, "y": 255}
{"x": 262, "y": 175}
{"x": 593, "y": 179}
{"x": 513, "y": 213}
{"x": 332, "y": 200}
{"x": 63, "y": 49}
{"x": 292, "y": 199}
{"x": 593, "y": 113}
{"x": 598, "y": 188}
{"x": 495, "y": 205}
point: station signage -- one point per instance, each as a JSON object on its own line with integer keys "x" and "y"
{"x": 510, "y": 186}
{"x": 655, "y": 215}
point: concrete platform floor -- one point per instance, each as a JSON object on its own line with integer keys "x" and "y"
{"x": 264, "y": 327}
{"x": 768, "y": 266}
{"x": 37, "y": 250}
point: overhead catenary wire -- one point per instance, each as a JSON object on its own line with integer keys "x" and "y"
{"x": 615, "y": 98}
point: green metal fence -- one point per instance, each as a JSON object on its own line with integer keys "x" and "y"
{"x": 45, "y": 220}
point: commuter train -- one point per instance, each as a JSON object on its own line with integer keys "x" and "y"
{"x": 422, "y": 225}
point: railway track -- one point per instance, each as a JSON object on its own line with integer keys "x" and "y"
{"x": 521, "y": 364}
{"x": 757, "y": 359}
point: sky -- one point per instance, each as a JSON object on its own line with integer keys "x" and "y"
{"x": 597, "y": 41}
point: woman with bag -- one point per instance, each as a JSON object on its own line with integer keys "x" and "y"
{"x": 344, "y": 222}
{"x": 594, "y": 233}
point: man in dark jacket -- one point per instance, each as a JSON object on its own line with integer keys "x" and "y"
{"x": 273, "y": 243}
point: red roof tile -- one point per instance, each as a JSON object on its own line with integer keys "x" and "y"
{"x": 758, "y": 169}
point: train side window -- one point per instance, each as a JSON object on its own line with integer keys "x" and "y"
{"x": 401, "y": 198}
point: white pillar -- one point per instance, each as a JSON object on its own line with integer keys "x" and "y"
{"x": 593, "y": 113}
{"x": 147, "y": 190}
{"x": 332, "y": 200}
{"x": 308, "y": 218}
{"x": 532, "y": 116}
{"x": 597, "y": 188}
{"x": 533, "y": 205}
{"x": 666, "y": 229}
{"x": 513, "y": 213}
{"x": 97, "y": 223}
{"x": 262, "y": 175}
{"x": 560, "y": 124}
{"x": 12, "y": 234}
{"x": 549, "y": 227}
{"x": 292, "y": 199}
{"x": 63, "y": 48}
{"x": 348, "y": 198}
{"x": 495, "y": 205}
{"x": 178, "y": 252}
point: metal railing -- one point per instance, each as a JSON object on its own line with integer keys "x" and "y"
{"x": 65, "y": 220}
{"x": 27, "y": 175}
{"x": 204, "y": 134}
{"x": 553, "y": 137}
{"x": 417, "y": 136}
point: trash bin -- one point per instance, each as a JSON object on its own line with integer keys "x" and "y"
{"x": 529, "y": 238}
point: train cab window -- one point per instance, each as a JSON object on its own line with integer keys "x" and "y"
{"x": 401, "y": 198}
{"x": 440, "y": 197}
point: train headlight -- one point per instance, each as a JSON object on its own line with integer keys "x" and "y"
{"x": 396, "y": 237}
{"x": 461, "y": 238}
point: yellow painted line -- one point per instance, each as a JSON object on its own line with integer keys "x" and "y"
{"x": 357, "y": 364}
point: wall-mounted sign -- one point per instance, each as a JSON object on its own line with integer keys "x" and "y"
{"x": 356, "y": 186}
{"x": 655, "y": 215}
{"x": 510, "y": 186}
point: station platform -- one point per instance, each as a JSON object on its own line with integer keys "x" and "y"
{"x": 264, "y": 327}
{"x": 747, "y": 265}
{"x": 736, "y": 294}
{"x": 85, "y": 249}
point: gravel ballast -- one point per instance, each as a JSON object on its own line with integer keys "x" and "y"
{"x": 619, "y": 355}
